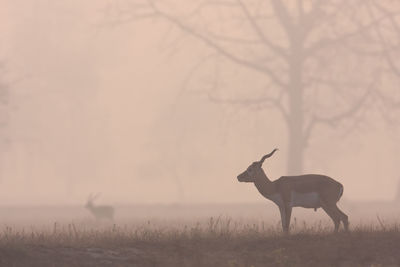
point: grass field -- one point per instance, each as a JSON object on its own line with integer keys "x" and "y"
{"x": 213, "y": 242}
{"x": 197, "y": 235}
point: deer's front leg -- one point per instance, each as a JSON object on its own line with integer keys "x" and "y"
{"x": 286, "y": 212}
{"x": 283, "y": 217}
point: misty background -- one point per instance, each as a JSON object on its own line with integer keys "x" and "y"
{"x": 136, "y": 102}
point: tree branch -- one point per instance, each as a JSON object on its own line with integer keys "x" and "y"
{"x": 260, "y": 101}
{"x": 332, "y": 120}
{"x": 260, "y": 68}
{"x": 326, "y": 42}
{"x": 382, "y": 40}
{"x": 278, "y": 50}
{"x": 283, "y": 16}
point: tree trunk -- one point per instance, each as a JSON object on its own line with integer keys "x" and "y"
{"x": 296, "y": 148}
{"x": 296, "y": 112}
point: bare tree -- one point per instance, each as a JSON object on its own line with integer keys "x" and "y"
{"x": 322, "y": 61}
{"x": 388, "y": 35}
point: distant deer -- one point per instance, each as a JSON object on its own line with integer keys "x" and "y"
{"x": 307, "y": 191}
{"x": 99, "y": 212}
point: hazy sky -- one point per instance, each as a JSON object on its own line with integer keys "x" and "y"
{"x": 99, "y": 109}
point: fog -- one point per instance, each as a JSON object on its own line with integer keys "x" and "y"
{"x": 119, "y": 108}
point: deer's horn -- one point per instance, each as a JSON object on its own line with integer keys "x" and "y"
{"x": 268, "y": 155}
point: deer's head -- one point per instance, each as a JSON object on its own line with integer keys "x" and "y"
{"x": 89, "y": 203}
{"x": 254, "y": 171}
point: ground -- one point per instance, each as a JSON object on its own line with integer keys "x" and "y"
{"x": 204, "y": 247}
{"x": 238, "y": 239}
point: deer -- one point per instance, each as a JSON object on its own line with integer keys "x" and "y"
{"x": 308, "y": 191}
{"x": 99, "y": 212}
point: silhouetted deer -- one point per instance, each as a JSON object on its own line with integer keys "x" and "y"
{"x": 307, "y": 191}
{"x": 99, "y": 211}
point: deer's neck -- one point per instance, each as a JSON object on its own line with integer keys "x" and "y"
{"x": 264, "y": 185}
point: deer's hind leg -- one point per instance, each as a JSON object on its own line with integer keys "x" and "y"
{"x": 332, "y": 213}
{"x": 343, "y": 217}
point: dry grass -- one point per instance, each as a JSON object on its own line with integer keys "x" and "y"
{"x": 215, "y": 242}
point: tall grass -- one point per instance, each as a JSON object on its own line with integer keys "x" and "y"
{"x": 217, "y": 241}
{"x": 215, "y": 228}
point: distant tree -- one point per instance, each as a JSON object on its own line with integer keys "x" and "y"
{"x": 4, "y": 93}
{"x": 323, "y": 62}
{"x": 4, "y": 103}
{"x": 397, "y": 193}
{"x": 388, "y": 35}
{"x": 4, "y": 106}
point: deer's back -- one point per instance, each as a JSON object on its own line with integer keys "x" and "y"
{"x": 308, "y": 183}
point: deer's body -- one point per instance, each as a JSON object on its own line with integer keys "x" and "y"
{"x": 301, "y": 191}
{"x": 307, "y": 191}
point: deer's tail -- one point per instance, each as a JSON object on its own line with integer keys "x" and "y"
{"x": 341, "y": 191}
